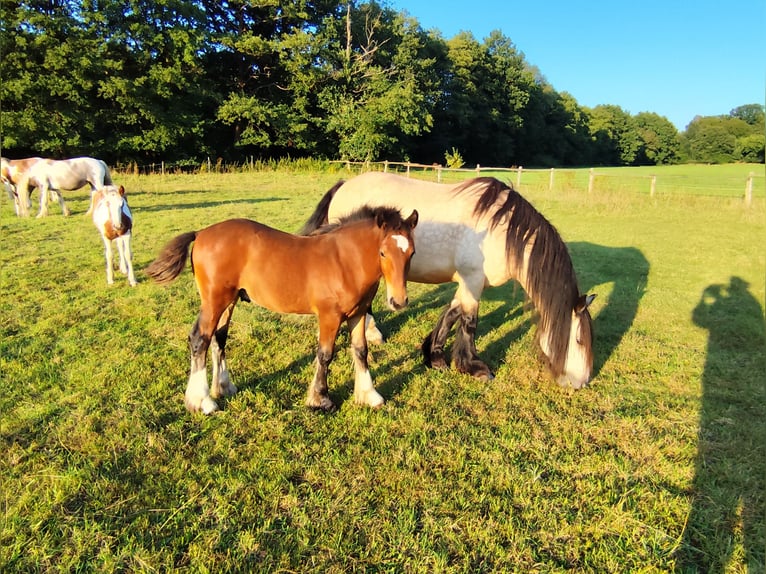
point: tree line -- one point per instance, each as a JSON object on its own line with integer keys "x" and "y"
{"x": 141, "y": 81}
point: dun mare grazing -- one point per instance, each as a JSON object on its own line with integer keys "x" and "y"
{"x": 333, "y": 274}
{"x": 58, "y": 176}
{"x": 478, "y": 233}
{"x": 11, "y": 172}
{"x": 113, "y": 219}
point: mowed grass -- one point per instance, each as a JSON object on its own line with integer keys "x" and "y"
{"x": 659, "y": 465}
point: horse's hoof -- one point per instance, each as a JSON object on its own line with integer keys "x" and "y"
{"x": 370, "y": 399}
{"x": 207, "y": 406}
{"x": 324, "y": 404}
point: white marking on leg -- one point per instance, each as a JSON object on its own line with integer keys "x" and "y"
{"x": 401, "y": 242}
{"x": 197, "y": 396}
{"x": 364, "y": 392}
{"x": 372, "y": 333}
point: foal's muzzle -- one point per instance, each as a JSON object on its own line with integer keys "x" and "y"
{"x": 394, "y": 305}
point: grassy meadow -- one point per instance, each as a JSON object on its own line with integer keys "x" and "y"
{"x": 658, "y": 466}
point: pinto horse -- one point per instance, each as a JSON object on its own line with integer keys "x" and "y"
{"x": 333, "y": 274}
{"x": 113, "y": 219}
{"x": 479, "y": 233}
{"x": 11, "y": 172}
{"x": 58, "y": 176}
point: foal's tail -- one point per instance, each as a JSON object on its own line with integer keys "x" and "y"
{"x": 172, "y": 259}
{"x": 319, "y": 217}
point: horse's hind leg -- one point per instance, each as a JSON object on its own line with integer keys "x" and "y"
{"x": 318, "y": 396}
{"x": 466, "y": 358}
{"x": 221, "y": 385}
{"x": 364, "y": 391}
{"x": 197, "y": 396}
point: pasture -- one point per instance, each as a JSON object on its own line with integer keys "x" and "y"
{"x": 659, "y": 465}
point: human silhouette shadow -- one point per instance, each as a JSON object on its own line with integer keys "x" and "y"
{"x": 729, "y": 490}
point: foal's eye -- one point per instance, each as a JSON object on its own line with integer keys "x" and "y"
{"x": 382, "y": 254}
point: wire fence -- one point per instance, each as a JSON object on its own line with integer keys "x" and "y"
{"x": 733, "y": 180}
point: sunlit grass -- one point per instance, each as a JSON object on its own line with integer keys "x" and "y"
{"x": 659, "y": 465}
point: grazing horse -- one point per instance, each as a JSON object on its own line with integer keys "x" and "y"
{"x": 61, "y": 175}
{"x": 479, "y": 233}
{"x": 333, "y": 274}
{"x": 113, "y": 219}
{"x": 11, "y": 172}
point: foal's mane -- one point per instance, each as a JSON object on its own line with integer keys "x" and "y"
{"x": 550, "y": 280}
{"x": 391, "y": 217}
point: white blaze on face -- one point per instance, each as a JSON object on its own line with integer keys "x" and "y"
{"x": 401, "y": 242}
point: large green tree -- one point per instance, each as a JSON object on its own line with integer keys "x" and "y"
{"x": 659, "y": 142}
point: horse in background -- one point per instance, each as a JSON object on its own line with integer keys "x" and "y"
{"x": 333, "y": 274}
{"x": 11, "y": 172}
{"x": 114, "y": 220}
{"x": 61, "y": 175}
{"x": 480, "y": 233}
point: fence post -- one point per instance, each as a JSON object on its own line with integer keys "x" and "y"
{"x": 518, "y": 177}
{"x": 653, "y": 187}
{"x": 550, "y": 183}
{"x": 749, "y": 190}
{"x": 385, "y": 166}
{"x": 408, "y": 169}
{"x": 162, "y": 167}
{"x": 478, "y": 170}
{"x": 439, "y": 174}
{"x": 591, "y": 177}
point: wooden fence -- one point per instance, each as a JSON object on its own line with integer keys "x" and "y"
{"x": 573, "y": 178}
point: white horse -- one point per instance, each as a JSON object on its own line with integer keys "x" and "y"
{"x": 11, "y": 172}
{"x": 481, "y": 233}
{"x": 61, "y": 175}
{"x": 113, "y": 219}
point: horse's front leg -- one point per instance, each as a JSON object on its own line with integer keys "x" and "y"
{"x": 109, "y": 264}
{"x": 60, "y": 196}
{"x": 221, "y": 385}
{"x": 318, "y": 396}
{"x": 364, "y": 391}
{"x": 126, "y": 258}
{"x": 433, "y": 345}
{"x": 197, "y": 396}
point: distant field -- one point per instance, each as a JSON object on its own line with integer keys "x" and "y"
{"x": 705, "y": 180}
{"x": 659, "y": 465}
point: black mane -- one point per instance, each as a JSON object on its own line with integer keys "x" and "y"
{"x": 551, "y": 282}
{"x": 391, "y": 217}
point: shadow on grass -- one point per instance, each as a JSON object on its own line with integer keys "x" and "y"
{"x": 729, "y": 492}
{"x": 625, "y": 267}
{"x": 204, "y": 204}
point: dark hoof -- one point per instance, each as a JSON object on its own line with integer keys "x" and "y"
{"x": 476, "y": 369}
{"x": 433, "y": 360}
{"x": 324, "y": 405}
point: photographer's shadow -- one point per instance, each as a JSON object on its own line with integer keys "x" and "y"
{"x": 729, "y": 506}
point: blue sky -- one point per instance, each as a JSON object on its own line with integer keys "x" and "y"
{"x": 677, "y": 58}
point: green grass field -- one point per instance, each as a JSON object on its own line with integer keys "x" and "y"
{"x": 659, "y": 465}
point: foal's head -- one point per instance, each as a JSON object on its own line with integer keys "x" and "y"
{"x": 110, "y": 211}
{"x": 396, "y": 250}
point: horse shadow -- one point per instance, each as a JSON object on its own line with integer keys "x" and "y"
{"x": 627, "y": 269}
{"x": 729, "y": 488}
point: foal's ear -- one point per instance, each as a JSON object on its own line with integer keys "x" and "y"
{"x": 412, "y": 220}
{"x": 122, "y": 190}
{"x": 584, "y": 302}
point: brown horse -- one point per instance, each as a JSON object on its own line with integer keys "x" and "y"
{"x": 333, "y": 274}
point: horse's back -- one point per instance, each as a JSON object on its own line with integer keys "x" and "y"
{"x": 449, "y": 239}
{"x": 268, "y": 264}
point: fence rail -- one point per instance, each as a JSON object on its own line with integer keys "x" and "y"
{"x": 591, "y": 179}
{"x": 586, "y": 178}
